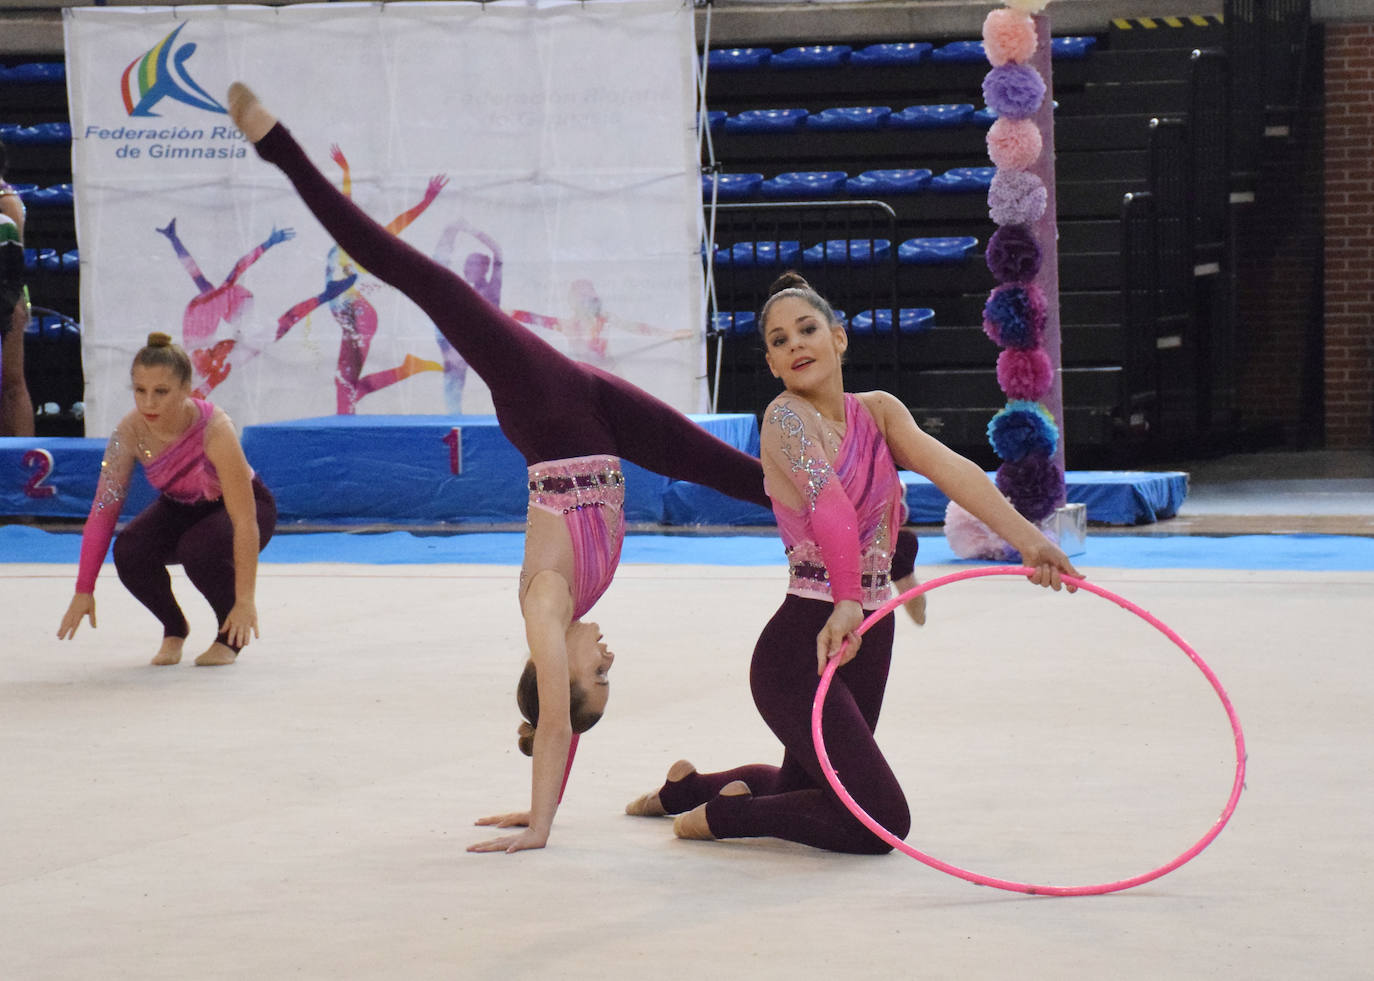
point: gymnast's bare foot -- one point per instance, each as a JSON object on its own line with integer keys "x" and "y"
{"x": 916, "y": 607}
{"x": 693, "y": 824}
{"x": 169, "y": 652}
{"x": 648, "y": 805}
{"x": 248, "y": 114}
{"x": 215, "y": 655}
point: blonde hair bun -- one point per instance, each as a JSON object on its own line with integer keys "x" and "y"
{"x": 526, "y": 740}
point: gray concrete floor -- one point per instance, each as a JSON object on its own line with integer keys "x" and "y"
{"x": 1317, "y": 492}
{"x": 304, "y": 813}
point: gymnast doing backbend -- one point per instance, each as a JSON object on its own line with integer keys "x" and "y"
{"x": 830, "y": 465}
{"x": 573, "y": 423}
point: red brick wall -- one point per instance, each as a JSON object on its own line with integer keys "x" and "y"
{"x": 1349, "y": 201}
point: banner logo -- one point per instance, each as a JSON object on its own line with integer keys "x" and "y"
{"x": 161, "y": 74}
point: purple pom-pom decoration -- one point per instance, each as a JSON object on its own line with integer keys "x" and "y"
{"x": 1013, "y": 254}
{"x": 1034, "y": 485}
{"x": 1025, "y": 374}
{"x": 1022, "y": 427}
{"x": 1016, "y": 197}
{"x": 1013, "y": 91}
{"x": 969, "y": 538}
{"x": 1014, "y": 315}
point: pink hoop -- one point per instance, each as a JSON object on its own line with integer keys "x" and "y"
{"x": 983, "y": 880}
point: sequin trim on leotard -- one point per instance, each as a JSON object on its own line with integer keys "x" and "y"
{"x": 582, "y": 489}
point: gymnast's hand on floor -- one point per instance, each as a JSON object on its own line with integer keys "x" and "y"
{"x": 241, "y": 621}
{"x": 841, "y": 626}
{"x": 529, "y": 838}
{"x": 82, "y": 605}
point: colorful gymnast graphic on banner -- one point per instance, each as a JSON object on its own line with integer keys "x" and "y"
{"x": 544, "y": 151}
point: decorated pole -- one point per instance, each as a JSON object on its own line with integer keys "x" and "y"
{"x": 1022, "y": 312}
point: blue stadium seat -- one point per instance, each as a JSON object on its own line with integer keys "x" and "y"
{"x": 765, "y": 120}
{"x": 887, "y": 182}
{"x": 812, "y": 56}
{"x": 854, "y": 252}
{"x": 51, "y": 327}
{"x": 910, "y": 320}
{"x": 887, "y": 55}
{"x": 849, "y": 118}
{"x": 36, "y": 135}
{"x": 931, "y": 117}
{"x": 715, "y": 119}
{"x": 737, "y": 59}
{"x": 966, "y": 52}
{"x": 1071, "y": 47}
{"x": 42, "y": 71}
{"x": 731, "y": 187}
{"x": 740, "y": 322}
{"x": 45, "y": 259}
{"x": 71, "y": 261}
{"x": 959, "y": 53}
{"x": 804, "y": 184}
{"x": 960, "y": 180}
{"x": 24, "y": 189}
{"x": 935, "y": 251}
{"x": 49, "y": 197}
{"x": 749, "y": 254}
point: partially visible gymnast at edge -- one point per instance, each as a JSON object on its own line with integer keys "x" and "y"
{"x": 213, "y": 517}
{"x": 573, "y": 423}
{"x": 829, "y": 460}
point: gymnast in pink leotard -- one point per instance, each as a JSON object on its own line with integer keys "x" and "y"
{"x": 574, "y": 423}
{"x": 830, "y": 462}
{"x": 213, "y": 515}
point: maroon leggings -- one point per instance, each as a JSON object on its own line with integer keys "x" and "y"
{"x": 198, "y": 536}
{"x": 793, "y": 801}
{"x": 548, "y": 405}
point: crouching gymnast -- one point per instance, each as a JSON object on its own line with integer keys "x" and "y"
{"x": 213, "y": 517}
{"x": 828, "y": 460}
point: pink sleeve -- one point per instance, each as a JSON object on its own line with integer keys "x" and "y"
{"x": 834, "y": 522}
{"x": 835, "y": 525}
{"x": 113, "y": 484}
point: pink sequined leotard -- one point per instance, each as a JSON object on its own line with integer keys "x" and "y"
{"x": 589, "y": 492}
{"x": 181, "y": 471}
{"x": 865, "y": 471}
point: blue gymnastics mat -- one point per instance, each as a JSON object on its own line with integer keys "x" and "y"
{"x": 1309, "y": 553}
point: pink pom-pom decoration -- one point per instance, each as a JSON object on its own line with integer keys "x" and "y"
{"x": 1016, "y": 197}
{"x": 1025, "y": 374}
{"x": 969, "y": 538}
{"x": 1008, "y": 35}
{"x": 1014, "y": 143}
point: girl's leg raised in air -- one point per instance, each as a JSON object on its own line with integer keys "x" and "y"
{"x": 506, "y": 355}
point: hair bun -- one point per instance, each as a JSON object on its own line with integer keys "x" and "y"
{"x": 526, "y": 740}
{"x": 789, "y": 280}
{"x": 159, "y": 339}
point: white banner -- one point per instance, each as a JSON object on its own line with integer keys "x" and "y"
{"x": 544, "y": 150}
